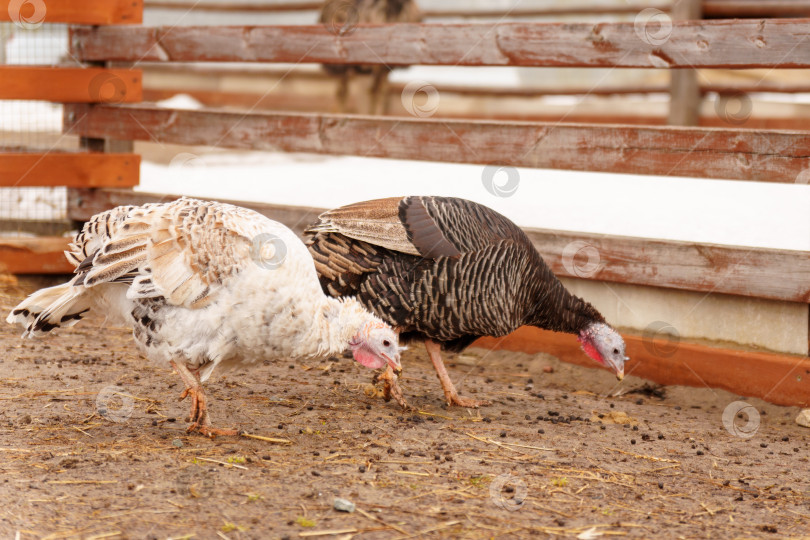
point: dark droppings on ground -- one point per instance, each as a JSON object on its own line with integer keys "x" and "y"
{"x": 573, "y": 462}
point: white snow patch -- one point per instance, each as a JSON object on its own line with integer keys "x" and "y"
{"x": 180, "y": 101}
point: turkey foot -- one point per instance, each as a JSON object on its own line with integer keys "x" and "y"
{"x": 391, "y": 387}
{"x": 198, "y": 417}
{"x": 450, "y": 394}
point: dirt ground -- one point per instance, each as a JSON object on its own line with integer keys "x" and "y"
{"x": 93, "y": 445}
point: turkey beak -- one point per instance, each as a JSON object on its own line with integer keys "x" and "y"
{"x": 394, "y": 363}
{"x": 620, "y": 370}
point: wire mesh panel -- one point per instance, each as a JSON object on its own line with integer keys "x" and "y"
{"x": 33, "y": 126}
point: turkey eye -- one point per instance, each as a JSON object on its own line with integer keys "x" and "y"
{"x": 386, "y": 343}
{"x": 615, "y": 351}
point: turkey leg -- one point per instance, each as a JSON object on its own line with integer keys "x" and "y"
{"x": 199, "y": 410}
{"x": 435, "y": 352}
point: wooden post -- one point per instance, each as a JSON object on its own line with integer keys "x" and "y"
{"x": 684, "y": 101}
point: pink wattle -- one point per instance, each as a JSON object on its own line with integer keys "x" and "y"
{"x": 590, "y": 350}
{"x": 368, "y": 359}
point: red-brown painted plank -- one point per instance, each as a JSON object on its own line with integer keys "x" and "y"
{"x": 778, "y": 378}
{"x": 755, "y": 272}
{"x": 41, "y": 255}
{"x": 33, "y": 13}
{"x": 775, "y": 43}
{"x": 76, "y": 85}
{"x": 766, "y": 156}
{"x": 72, "y": 170}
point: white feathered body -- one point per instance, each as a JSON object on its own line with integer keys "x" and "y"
{"x": 205, "y": 283}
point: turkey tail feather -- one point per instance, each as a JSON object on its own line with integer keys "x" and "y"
{"x": 62, "y": 305}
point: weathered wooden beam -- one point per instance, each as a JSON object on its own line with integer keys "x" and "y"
{"x": 778, "y": 378}
{"x": 756, "y": 272}
{"x": 775, "y": 43}
{"x": 40, "y": 255}
{"x": 72, "y": 170}
{"x": 767, "y": 156}
{"x": 71, "y": 85}
{"x": 72, "y": 12}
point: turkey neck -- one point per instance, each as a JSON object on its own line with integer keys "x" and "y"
{"x": 335, "y": 323}
{"x": 553, "y": 307}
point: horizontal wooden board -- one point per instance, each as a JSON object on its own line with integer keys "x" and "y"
{"x": 766, "y": 156}
{"x": 755, "y": 272}
{"x": 76, "y": 85}
{"x": 72, "y": 170}
{"x": 40, "y": 255}
{"x": 774, "y": 43}
{"x": 778, "y": 378}
{"x": 72, "y": 12}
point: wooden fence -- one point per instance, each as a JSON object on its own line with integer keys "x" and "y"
{"x": 36, "y": 167}
{"x": 762, "y": 155}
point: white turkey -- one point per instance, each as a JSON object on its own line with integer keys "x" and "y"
{"x": 206, "y": 284}
{"x": 448, "y": 271}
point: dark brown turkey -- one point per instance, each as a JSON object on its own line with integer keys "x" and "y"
{"x": 341, "y": 16}
{"x": 448, "y": 271}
